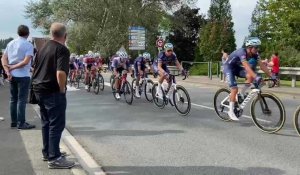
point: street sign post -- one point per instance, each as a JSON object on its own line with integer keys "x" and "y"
{"x": 137, "y": 38}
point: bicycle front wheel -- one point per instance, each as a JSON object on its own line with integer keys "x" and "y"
{"x": 158, "y": 101}
{"x": 133, "y": 85}
{"x": 182, "y": 100}
{"x": 297, "y": 120}
{"x": 148, "y": 90}
{"x": 268, "y": 113}
{"x": 96, "y": 85}
{"x": 221, "y": 103}
{"x": 128, "y": 94}
{"x": 101, "y": 82}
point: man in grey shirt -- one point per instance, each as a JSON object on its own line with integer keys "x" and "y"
{"x": 16, "y": 62}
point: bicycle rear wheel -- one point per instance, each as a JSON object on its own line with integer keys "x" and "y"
{"x": 221, "y": 103}
{"x": 158, "y": 101}
{"x": 182, "y": 100}
{"x": 128, "y": 93}
{"x": 148, "y": 90}
{"x": 297, "y": 120}
{"x": 268, "y": 112}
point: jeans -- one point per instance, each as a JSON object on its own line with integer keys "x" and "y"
{"x": 53, "y": 114}
{"x": 19, "y": 95}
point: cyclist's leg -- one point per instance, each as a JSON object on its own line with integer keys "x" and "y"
{"x": 230, "y": 76}
{"x": 249, "y": 80}
{"x": 117, "y": 74}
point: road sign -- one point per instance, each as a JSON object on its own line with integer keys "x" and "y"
{"x": 160, "y": 43}
{"x": 137, "y": 38}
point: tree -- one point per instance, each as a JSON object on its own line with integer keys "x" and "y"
{"x": 186, "y": 23}
{"x": 218, "y": 33}
{"x": 4, "y": 42}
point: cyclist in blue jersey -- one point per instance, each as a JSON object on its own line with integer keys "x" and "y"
{"x": 120, "y": 64}
{"x": 241, "y": 63}
{"x": 140, "y": 69}
{"x": 160, "y": 65}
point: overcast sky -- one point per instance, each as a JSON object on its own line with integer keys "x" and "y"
{"x": 12, "y": 15}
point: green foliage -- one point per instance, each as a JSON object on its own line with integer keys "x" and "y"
{"x": 4, "y": 42}
{"x": 276, "y": 22}
{"x": 186, "y": 23}
{"x": 218, "y": 33}
{"x": 202, "y": 69}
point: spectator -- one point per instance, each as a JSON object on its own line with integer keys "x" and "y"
{"x": 49, "y": 79}
{"x": 275, "y": 64}
{"x": 1, "y": 72}
{"x": 17, "y": 62}
{"x": 224, "y": 59}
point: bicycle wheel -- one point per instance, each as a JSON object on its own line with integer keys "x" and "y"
{"x": 89, "y": 85}
{"x": 113, "y": 89}
{"x": 158, "y": 101}
{"x": 182, "y": 101}
{"x": 128, "y": 93}
{"x": 297, "y": 120}
{"x": 221, "y": 103}
{"x": 78, "y": 82}
{"x": 96, "y": 85}
{"x": 148, "y": 90}
{"x": 111, "y": 79}
{"x": 268, "y": 112}
{"x": 101, "y": 82}
{"x": 133, "y": 85}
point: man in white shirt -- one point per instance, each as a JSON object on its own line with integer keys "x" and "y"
{"x": 16, "y": 62}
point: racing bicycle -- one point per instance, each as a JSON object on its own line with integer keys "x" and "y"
{"x": 267, "y": 111}
{"x": 174, "y": 94}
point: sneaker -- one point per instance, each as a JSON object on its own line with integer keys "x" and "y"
{"x": 13, "y": 125}
{"x": 137, "y": 94}
{"x": 62, "y": 154}
{"x": 86, "y": 87}
{"x": 118, "y": 96}
{"x": 25, "y": 126}
{"x": 232, "y": 116}
{"x": 60, "y": 163}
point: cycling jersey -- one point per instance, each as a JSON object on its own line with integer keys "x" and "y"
{"x": 139, "y": 61}
{"x": 88, "y": 62}
{"x": 72, "y": 63}
{"x": 120, "y": 66}
{"x": 233, "y": 65}
{"x": 165, "y": 60}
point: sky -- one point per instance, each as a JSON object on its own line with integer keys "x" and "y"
{"x": 12, "y": 15}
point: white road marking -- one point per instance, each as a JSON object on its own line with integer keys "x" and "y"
{"x": 69, "y": 88}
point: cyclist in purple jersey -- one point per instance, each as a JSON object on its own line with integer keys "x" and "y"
{"x": 160, "y": 66}
{"x": 140, "y": 69}
{"x": 238, "y": 65}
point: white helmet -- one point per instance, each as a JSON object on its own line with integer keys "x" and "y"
{"x": 123, "y": 55}
{"x": 73, "y": 55}
{"x": 147, "y": 55}
{"x": 90, "y": 52}
{"x": 97, "y": 55}
{"x": 254, "y": 41}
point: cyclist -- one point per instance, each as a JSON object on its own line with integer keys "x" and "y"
{"x": 120, "y": 63}
{"x": 160, "y": 65}
{"x": 89, "y": 62}
{"x": 72, "y": 66}
{"x": 233, "y": 67}
{"x": 140, "y": 69}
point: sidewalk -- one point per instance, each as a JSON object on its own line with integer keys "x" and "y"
{"x": 20, "y": 151}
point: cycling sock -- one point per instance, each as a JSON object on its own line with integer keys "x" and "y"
{"x": 231, "y": 106}
{"x": 244, "y": 89}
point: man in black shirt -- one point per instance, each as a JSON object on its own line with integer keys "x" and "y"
{"x": 49, "y": 85}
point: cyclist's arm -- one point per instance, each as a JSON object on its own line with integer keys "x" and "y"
{"x": 264, "y": 68}
{"x": 178, "y": 65}
{"x": 248, "y": 69}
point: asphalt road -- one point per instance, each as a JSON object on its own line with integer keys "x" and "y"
{"x": 142, "y": 139}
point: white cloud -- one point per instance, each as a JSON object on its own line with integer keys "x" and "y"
{"x": 241, "y": 14}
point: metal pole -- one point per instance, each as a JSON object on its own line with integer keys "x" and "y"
{"x": 218, "y": 69}
{"x": 208, "y": 69}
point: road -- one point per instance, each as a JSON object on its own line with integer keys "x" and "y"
{"x": 142, "y": 139}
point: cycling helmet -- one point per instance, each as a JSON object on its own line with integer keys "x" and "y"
{"x": 254, "y": 42}
{"x": 147, "y": 55}
{"x": 90, "y": 52}
{"x": 97, "y": 55}
{"x": 168, "y": 46}
{"x": 73, "y": 55}
{"x": 123, "y": 55}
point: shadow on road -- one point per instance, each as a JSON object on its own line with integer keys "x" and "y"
{"x": 190, "y": 170}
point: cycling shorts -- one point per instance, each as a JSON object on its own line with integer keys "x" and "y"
{"x": 231, "y": 72}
